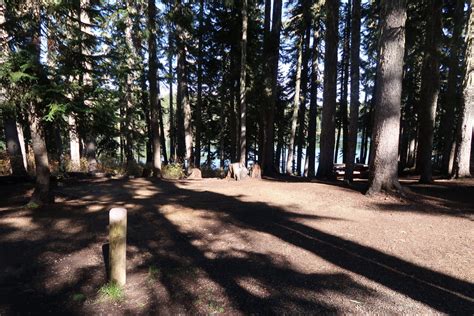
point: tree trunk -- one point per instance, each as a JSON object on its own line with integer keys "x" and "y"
{"x": 13, "y": 144}
{"x": 184, "y": 128}
{"x": 153, "y": 86}
{"x": 429, "y": 90}
{"x": 304, "y": 92}
{"x": 162, "y": 128}
{"x": 85, "y": 80}
{"x": 296, "y": 106}
{"x": 188, "y": 130}
{"x": 21, "y": 139}
{"x": 355, "y": 77}
{"x": 461, "y": 168}
{"x": 345, "y": 82}
{"x": 338, "y": 141}
{"x": 232, "y": 110}
{"x": 384, "y": 161}
{"x": 271, "y": 87}
{"x": 243, "y": 73}
{"x": 41, "y": 195}
{"x": 172, "y": 127}
{"x": 74, "y": 147}
{"x": 313, "y": 110}
{"x": 198, "y": 123}
{"x": 325, "y": 168}
{"x": 448, "y": 120}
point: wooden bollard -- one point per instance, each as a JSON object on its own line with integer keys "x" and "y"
{"x": 118, "y": 245}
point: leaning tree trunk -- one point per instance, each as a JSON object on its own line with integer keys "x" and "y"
{"x": 13, "y": 144}
{"x": 384, "y": 163}
{"x": 355, "y": 76}
{"x": 153, "y": 86}
{"x": 242, "y": 92}
{"x": 328, "y": 126}
{"x": 296, "y": 106}
{"x": 429, "y": 91}
{"x": 461, "y": 167}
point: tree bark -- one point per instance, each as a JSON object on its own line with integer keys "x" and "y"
{"x": 429, "y": 90}
{"x": 85, "y": 81}
{"x": 13, "y": 144}
{"x": 461, "y": 168}
{"x": 172, "y": 127}
{"x": 271, "y": 87}
{"x": 345, "y": 83}
{"x": 384, "y": 162}
{"x": 41, "y": 195}
{"x": 153, "y": 86}
{"x": 304, "y": 92}
{"x": 296, "y": 106}
{"x": 198, "y": 123}
{"x": 355, "y": 77}
{"x": 313, "y": 110}
{"x": 325, "y": 169}
{"x": 448, "y": 121}
{"x": 74, "y": 147}
{"x": 243, "y": 74}
{"x": 162, "y": 127}
{"x": 131, "y": 77}
{"x": 184, "y": 108}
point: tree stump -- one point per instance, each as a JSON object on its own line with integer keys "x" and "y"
{"x": 118, "y": 245}
{"x": 256, "y": 172}
{"x": 195, "y": 174}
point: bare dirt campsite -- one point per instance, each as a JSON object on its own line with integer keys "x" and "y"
{"x": 237, "y": 157}
{"x": 275, "y": 246}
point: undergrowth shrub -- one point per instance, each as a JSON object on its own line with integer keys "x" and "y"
{"x": 172, "y": 171}
{"x": 210, "y": 172}
{"x": 4, "y": 164}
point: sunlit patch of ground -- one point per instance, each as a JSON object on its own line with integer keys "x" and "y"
{"x": 218, "y": 246}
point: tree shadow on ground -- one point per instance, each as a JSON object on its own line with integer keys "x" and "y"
{"x": 447, "y": 198}
{"x": 194, "y": 277}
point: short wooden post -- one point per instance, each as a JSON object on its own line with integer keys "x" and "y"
{"x": 118, "y": 245}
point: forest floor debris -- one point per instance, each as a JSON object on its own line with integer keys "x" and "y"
{"x": 215, "y": 246}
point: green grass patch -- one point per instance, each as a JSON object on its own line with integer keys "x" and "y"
{"x": 153, "y": 273}
{"x": 111, "y": 291}
{"x": 32, "y": 205}
{"x": 78, "y": 297}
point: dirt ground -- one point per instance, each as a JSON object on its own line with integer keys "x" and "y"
{"x": 251, "y": 247}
